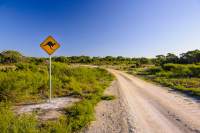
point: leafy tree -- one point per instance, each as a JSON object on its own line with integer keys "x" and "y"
{"x": 85, "y": 59}
{"x": 1, "y": 58}
{"x": 171, "y": 58}
{"x": 109, "y": 58}
{"x": 120, "y": 58}
{"x": 36, "y": 61}
{"x": 10, "y": 56}
{"x": 190, "y": 57}
{"x": 61, "y": 59}
{"x": 144, "y": 60}
{"x": 160, "y": 59}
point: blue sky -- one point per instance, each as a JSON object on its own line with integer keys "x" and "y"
{"x": 101, "y": 27}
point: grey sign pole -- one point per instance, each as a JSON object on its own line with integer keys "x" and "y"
{"x": 50, "y": 78}
{"x": 50, "y": 45}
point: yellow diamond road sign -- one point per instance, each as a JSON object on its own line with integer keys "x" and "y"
{"x": 50, "y": 45}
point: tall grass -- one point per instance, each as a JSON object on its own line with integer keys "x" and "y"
{"x": 10, "y": 123}
{"x": 29, "y": 83}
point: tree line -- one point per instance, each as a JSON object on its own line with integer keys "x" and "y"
{"x": 190, "y": 57}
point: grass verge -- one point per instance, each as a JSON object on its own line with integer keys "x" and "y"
{"x": 29, "y": 84}
{"x": 174, "y": 79}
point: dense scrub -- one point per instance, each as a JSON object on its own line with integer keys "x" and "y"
{"x": 27, "y": 83}
{"x": 175, "y": 70}
{"x": 30, "y": 82}
{"x": 185, "y": 78}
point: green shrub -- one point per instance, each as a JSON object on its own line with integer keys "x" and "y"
{"x": 80, "y": 115}
{"x": 179, "y": 70}
{"x": 19, "y": 86}
{"x": 154, "y": 70}
{"x": 164, "y": 74}
{"x": 195, "y": 70}
{"x": 108, "y": 97}
{"x": 10, "y": 123}
{"x": 170, "y": 66}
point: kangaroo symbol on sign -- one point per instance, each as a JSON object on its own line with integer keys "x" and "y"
{"x": 50, "y": 44}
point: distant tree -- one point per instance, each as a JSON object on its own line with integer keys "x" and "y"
{"x": 190, "y": 57}
{"x": 144, "y": 60}
{"x": 96, "y": 60}
{"x": 160, "y": 59}
{"x": 171, "y": 58}
{"x": 109, "y": 58}
{"x": 85, "y": 59}
{"x": 10, "y": 56}
{"x": 1, "y": 58}
{"x": 154, "y": 61}
{"x": 160, "y": 56}
{"x": 62, "y": 59}
{"x": 36, "y": 60}
{"x": 120, "y": 58}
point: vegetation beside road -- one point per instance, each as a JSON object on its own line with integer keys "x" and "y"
{"x": 179, "y": 72}
{"x": 185, "y": 78}
{"x": 26, "y": 81}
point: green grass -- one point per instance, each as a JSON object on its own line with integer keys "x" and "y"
{"x": 29, "y": 83}
{"x": 10, "y": 123}
{"x": 108, "y": 97}
{"x": 76, "y": 117}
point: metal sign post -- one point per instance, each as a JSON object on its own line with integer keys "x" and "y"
{"x": 50, "y": 78}
{"x": 50, "y": 45}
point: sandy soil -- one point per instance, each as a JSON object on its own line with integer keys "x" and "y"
{"x": 48, "y": 110}
{"x": 111, "y": 116}
{"x": 145, "y": 108}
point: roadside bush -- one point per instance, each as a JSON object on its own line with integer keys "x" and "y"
{"x": 164, "y": 74}
{"x": 182, "y": 72}
{"x": 154, "y": 70}
{"x": 19, "y": 86}
{"x": 80, "y": 115}
{"x": 170, "y": 66}
{"x": 10, "y": 123}
{"x": 195, "y": 70}
{"x": 179, "y": 70}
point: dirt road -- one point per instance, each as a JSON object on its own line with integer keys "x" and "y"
{"x": 111, "y": 116}
{"x": 154, "y": 109}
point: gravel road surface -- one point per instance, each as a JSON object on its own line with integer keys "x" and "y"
{"x": 143, "y": 107}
